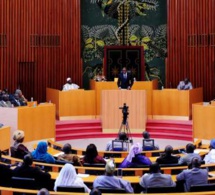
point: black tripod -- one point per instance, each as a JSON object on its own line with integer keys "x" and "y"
{"x": 124, "y": 127}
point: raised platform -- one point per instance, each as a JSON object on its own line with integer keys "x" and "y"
{"x": 163, "y": 129}
{"x": 170, "y": 129}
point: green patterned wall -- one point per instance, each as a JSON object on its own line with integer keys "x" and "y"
{"x": 147, "y": 27}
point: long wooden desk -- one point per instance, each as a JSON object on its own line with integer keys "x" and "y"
{"x": 203, "y": 121}
{"x": 4, "y": 138}
{"x": 37, "y": 122}
{"x": 9, "y": 191}
{"x": 175, "y": 104}
{"x": 132, "y": 179}
{"x": 73, "y": 104}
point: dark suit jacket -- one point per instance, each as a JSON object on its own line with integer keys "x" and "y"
{"x": 5, "y": 175}
{"x": 167, "y": 159}
{"x": 124, "y": 83}
{"x": 42, "y": 178}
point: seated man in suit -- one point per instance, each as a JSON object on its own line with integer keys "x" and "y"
{"x": 167, "y": 157}
{"x": 125, "y": 80}
{"x": 156, "y": 178}
{"x": 194, "y": 176}
{"x": 26, "y": 170}
{"x": 189, "y": 155}
{"x": 110, "y": 181}
{"x": 21, "y": 97}
{"x": 185, "y": 85}
{"x": 5, "y": 102}
{"x": 5, "y": 173}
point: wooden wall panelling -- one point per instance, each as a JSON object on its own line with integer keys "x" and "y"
{"x": 190, "y": 39}
{"x": 43, "y": 32}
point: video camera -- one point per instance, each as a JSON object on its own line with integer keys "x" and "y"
{"x": 124, "y": 112}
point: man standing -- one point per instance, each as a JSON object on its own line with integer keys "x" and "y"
{"x": 125, "y": 80}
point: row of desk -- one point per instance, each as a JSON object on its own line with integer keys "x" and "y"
{"x": 165, "y": 103}
{"x": 145, "y": 101}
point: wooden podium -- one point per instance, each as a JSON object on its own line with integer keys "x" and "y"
{"x": 110, "y": 85}
{"x": 112, "y": 115}
{"x": 37, "y": 122}
{"x": 203, "y": 121}
{"x": 175, "y": 104}
{"x": 73, "y": 104}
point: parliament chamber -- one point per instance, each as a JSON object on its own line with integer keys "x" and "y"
{"x": 48, "y": 44}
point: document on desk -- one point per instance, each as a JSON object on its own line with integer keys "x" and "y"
{"x": 58, "y": 154}
{"x": 83, "y": 175}
{"x": 197, "y": 151}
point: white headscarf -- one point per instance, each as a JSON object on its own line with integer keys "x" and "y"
{"x": 135, "y": 149}
{"x": 67, "y": 176}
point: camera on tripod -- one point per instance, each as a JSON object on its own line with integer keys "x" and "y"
{"x": 124, "y": 112}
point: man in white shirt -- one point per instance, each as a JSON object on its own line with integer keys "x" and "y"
{"x": 69, "y": 85}
{"x": 185, "y": 85}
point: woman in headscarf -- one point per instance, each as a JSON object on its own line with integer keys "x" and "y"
{"x": 41, "y": 153}
{"x": 135, "y": 158}
{"x": 19, "y": 150}
{"x": 210, "y": 157}
{"x": 92, "y": 156}
{"x": 68, "y": 177}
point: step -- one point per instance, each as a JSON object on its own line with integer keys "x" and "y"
{"x": 180, "y": 122}
{"x": 77, "y": 125}
{"x": 170, "y": 128}
{"x": 83, "y": 136}
{"x": 171, "y": 136}
{"x": 74, "y": 131}
{"x": 97, "y": 128}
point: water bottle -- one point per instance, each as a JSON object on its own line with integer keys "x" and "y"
{"x": 32, "y": 99}
{"x": 119, "y": 172}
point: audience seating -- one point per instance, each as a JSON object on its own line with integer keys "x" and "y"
{"x": 201, "y": 188}
{"x": 161, "y": 190}
{"x": 96, "y": 165}
{"x": 70, "y": 189}
{"x": 23, "y": 182}
{"x": 112, "y": 191}
{"x": 62, "y": 162}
